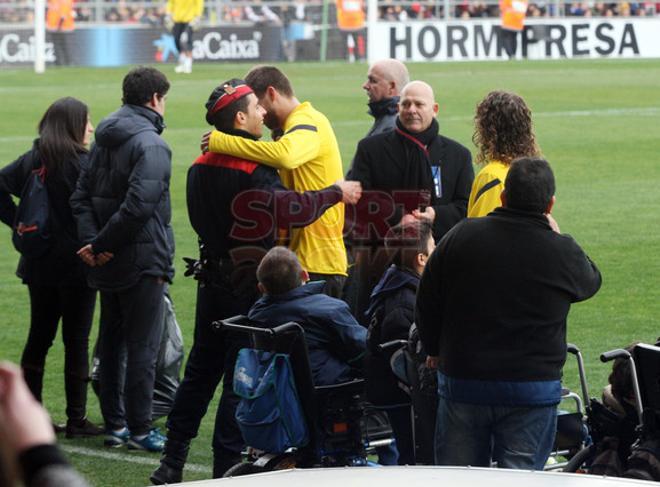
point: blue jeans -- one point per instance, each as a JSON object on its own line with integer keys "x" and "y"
{"x": 514, "y": 437}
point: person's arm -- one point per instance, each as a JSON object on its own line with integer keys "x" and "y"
{"x": 293, "y": 209}
{"x": 199, "y": 9}
{"x": 351, "y": 336}
{"x": 448, "y": 215}
{"x": 12, "y": 181}
{"x": 584, "y": 277}
{"x": 147, "y": 182}
{"x": 300, "y": 144}
{"x": 28, "y": 436}
{"x": 82, "y": 209}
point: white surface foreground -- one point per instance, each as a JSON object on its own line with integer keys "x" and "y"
{"x": 414, "y": 476}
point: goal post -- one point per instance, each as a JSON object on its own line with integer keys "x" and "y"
{"x": 39, "y": 36}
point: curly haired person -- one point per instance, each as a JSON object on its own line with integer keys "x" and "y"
{"x": 503, "y": 132}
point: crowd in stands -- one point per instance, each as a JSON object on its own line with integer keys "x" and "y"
{"x": 260, "y": 12}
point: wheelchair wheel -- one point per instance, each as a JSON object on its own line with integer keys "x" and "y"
{"x": 243, "y": 468}
{"x": 582, "y": 457}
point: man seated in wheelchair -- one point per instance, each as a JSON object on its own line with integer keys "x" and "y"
{"x": 335, "y": 340}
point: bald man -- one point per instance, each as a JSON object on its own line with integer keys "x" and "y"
{"x": 385, "y": 80}
{"x": 409, "y": 172}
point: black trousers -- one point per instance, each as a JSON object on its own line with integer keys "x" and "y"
{"x": 131, "y": 328}
{"x": 510, "y": 42}
{"x": 75, "y": 307}
{"x": 211, "y": 359}
{"x": 178, "y": 31}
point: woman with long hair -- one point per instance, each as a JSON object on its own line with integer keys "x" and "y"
{"x": 56, "y": 280}
{"x": 503, "y": 132}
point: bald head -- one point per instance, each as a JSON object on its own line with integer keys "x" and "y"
{"x": 417, "y": 106}
{"x": 385, "y": 79}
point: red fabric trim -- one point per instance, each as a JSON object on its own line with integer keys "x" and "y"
{"x": 229, "y": 162}
{"x": 413, "y": 140}
{"x": 226, "y": 99}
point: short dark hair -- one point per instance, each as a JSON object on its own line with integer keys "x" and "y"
{"x": 261, "y": 77}
{"x": 529, "y": 185}
{"x": 62, "y": 132}
{"x": 407, "y": 240}
{"x": 223, "y": 120}
{"x": 141, "y": 83}
{"x": 279, "y": 271}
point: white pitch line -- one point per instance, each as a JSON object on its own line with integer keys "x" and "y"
{"x": 600, "y": 112}
{"x": 123, "y": 457}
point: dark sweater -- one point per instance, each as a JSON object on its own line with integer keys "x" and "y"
{"x": 494, "y": 297}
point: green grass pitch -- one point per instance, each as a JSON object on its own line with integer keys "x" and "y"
{"x": 597, "y": 122}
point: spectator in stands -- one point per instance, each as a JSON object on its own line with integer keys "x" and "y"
{"x": 500, "y": 361}
{"x": 28, "y": 448}
{"x": 262, "y": 14}
{"x": 307, "y": 155}
{"x": 503, "y": 131}
{"x": 417, "y": 167}
{"x": 390, "y": 315}
{"x": 222, "y": 193}
{"x": 122, "y": 207}
{"x": 335, "y": 340}
{"x": 56, "y": 279}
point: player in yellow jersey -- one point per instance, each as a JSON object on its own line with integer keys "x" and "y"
{"x": 307, "y": 155}
{"x": 184, "y": 14}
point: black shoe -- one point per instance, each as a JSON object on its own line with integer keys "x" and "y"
{"x": 166, "y": 475}
{"x": 59, "y": 428}
{"x": 82, "y": 428}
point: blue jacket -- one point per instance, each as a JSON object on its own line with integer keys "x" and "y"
{"x": 334, "y": 339}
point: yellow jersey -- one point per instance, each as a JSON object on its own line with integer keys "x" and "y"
{"x": 487, "y": 188}
{"x": 184, "y": 11}
{"x": 308, "y": 158}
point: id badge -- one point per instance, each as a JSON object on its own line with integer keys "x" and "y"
{"x": 437, "y": 181}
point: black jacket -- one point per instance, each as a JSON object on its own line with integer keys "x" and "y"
{"x": 122, "y": 202}
{"x": 60, "y": 265}
{"x": 379, "y": 164}
{"x": 494, "y": 296}
{"x": 234, "y": 202}
{"x": 384, "y": 113}
{"x": 390, "y": 314}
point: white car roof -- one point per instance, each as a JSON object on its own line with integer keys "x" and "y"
{"x": 414, "y": 476}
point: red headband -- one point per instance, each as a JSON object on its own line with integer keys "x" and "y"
{"x": 231, "y": 94}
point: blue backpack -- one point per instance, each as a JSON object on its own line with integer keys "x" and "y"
{"x": 31, "y": 235}
{"x": 269, "y": 414}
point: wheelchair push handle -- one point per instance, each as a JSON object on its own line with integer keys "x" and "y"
{"x": 393, "y": 344}
{"x": 574, "y": 350}
{"x": 625, "y": 355}
{"x": 236, "y": 323}
{"x": 615, "y": 354}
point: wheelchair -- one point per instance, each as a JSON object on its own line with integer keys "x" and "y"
{"x": 340, "y": 432}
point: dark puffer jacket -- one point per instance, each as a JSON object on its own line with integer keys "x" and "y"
{"x": 122, "y": 202}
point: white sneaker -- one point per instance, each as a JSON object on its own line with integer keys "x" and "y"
{"x": 187, "y": 66}
{"x": 180, "y": 68}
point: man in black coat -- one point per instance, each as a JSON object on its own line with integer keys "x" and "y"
{"x": 122, "y": 208}
{"x": 410, "y": 170}
{"x": 385, "y": 80}
{"x": 491, "y": 312}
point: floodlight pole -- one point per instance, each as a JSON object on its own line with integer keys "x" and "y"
{"x": 372, "y": 18}
{"x": 39, "y": 36}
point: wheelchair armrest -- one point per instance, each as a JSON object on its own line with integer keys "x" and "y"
{"x": 353, "y": 386}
